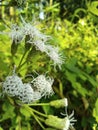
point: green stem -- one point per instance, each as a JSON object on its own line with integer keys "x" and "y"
{"x": 31, "y": 110}
{"x": 51, "y": 2}
{"x": 39, "y": 113}
{"x": 37, "y": 120}
{"x": 19, "y": 66}
{"x": 42, "y": 120}
{"x": 39, "y": 104}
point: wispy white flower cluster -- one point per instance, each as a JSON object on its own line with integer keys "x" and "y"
{"x": 37, "y": 39}
{"x": 14, "y": 87}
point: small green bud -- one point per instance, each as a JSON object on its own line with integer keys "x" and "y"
{"x": 55, "y": 122}
{"x": 59, "y": 103}
{"x": 61, "y": 123}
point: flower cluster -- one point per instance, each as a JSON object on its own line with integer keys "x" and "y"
{"x": 13, "y": 86}
{"x": 37, "y": 39}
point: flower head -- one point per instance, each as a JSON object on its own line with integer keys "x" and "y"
{"x": 69, "y": 121}
{"x": 53, "y": 53}
{"x": 12, "y": 85}
{"x": 29, "y": 30}
{"x": 40, "y": 45}
{"x": 16, "y": 34}
{"x": 27, "y": 95}
{"x": 43, "y": 85}
{"x": 37, "y": 38}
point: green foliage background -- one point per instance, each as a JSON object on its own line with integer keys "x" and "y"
{"x": 74, "y": 27}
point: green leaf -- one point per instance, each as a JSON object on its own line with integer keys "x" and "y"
{"x": 77, "y": 86}
{"x": 47, "y": 109}
{"x": 93, "y": 7}
{"x": 8, "y": 111}
{"x": 25, "y": 112}
{"x": 95, "y": 110}
{"x": 1, "y": 128}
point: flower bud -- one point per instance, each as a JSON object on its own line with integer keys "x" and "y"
{"x": 59, "y": 103}
{"x": 55, "y": 122}
{"x": 61, "y": 123}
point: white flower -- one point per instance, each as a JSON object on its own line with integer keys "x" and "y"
{"x": 30, "y": 30}
{"x": 40, "y": 45}
{"x": 69, "y": 121}
{"x": 37, "y": 38}
{"x": 12, "y": 85}
{"x": 27, "y": 95}
{"x": 43, "y": 85}
{"x": 36, "y": 96}
{"x": 53, "y": 53}
{"x": 16, "y": 34}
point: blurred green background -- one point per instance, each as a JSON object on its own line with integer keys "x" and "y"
{"x": 73, "y": 25}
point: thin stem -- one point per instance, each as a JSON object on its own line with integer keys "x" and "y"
{"x": 19, "y": 66}
{"x": 39, "y": 104}
{"x": 42, "y": 120}
{"x": 51, "y": 2}
{"x": 37, "y": 120}
{"x": 31, "y": 110}
{"x": 58, "y": 92}
{"x": 39, "y": 113}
